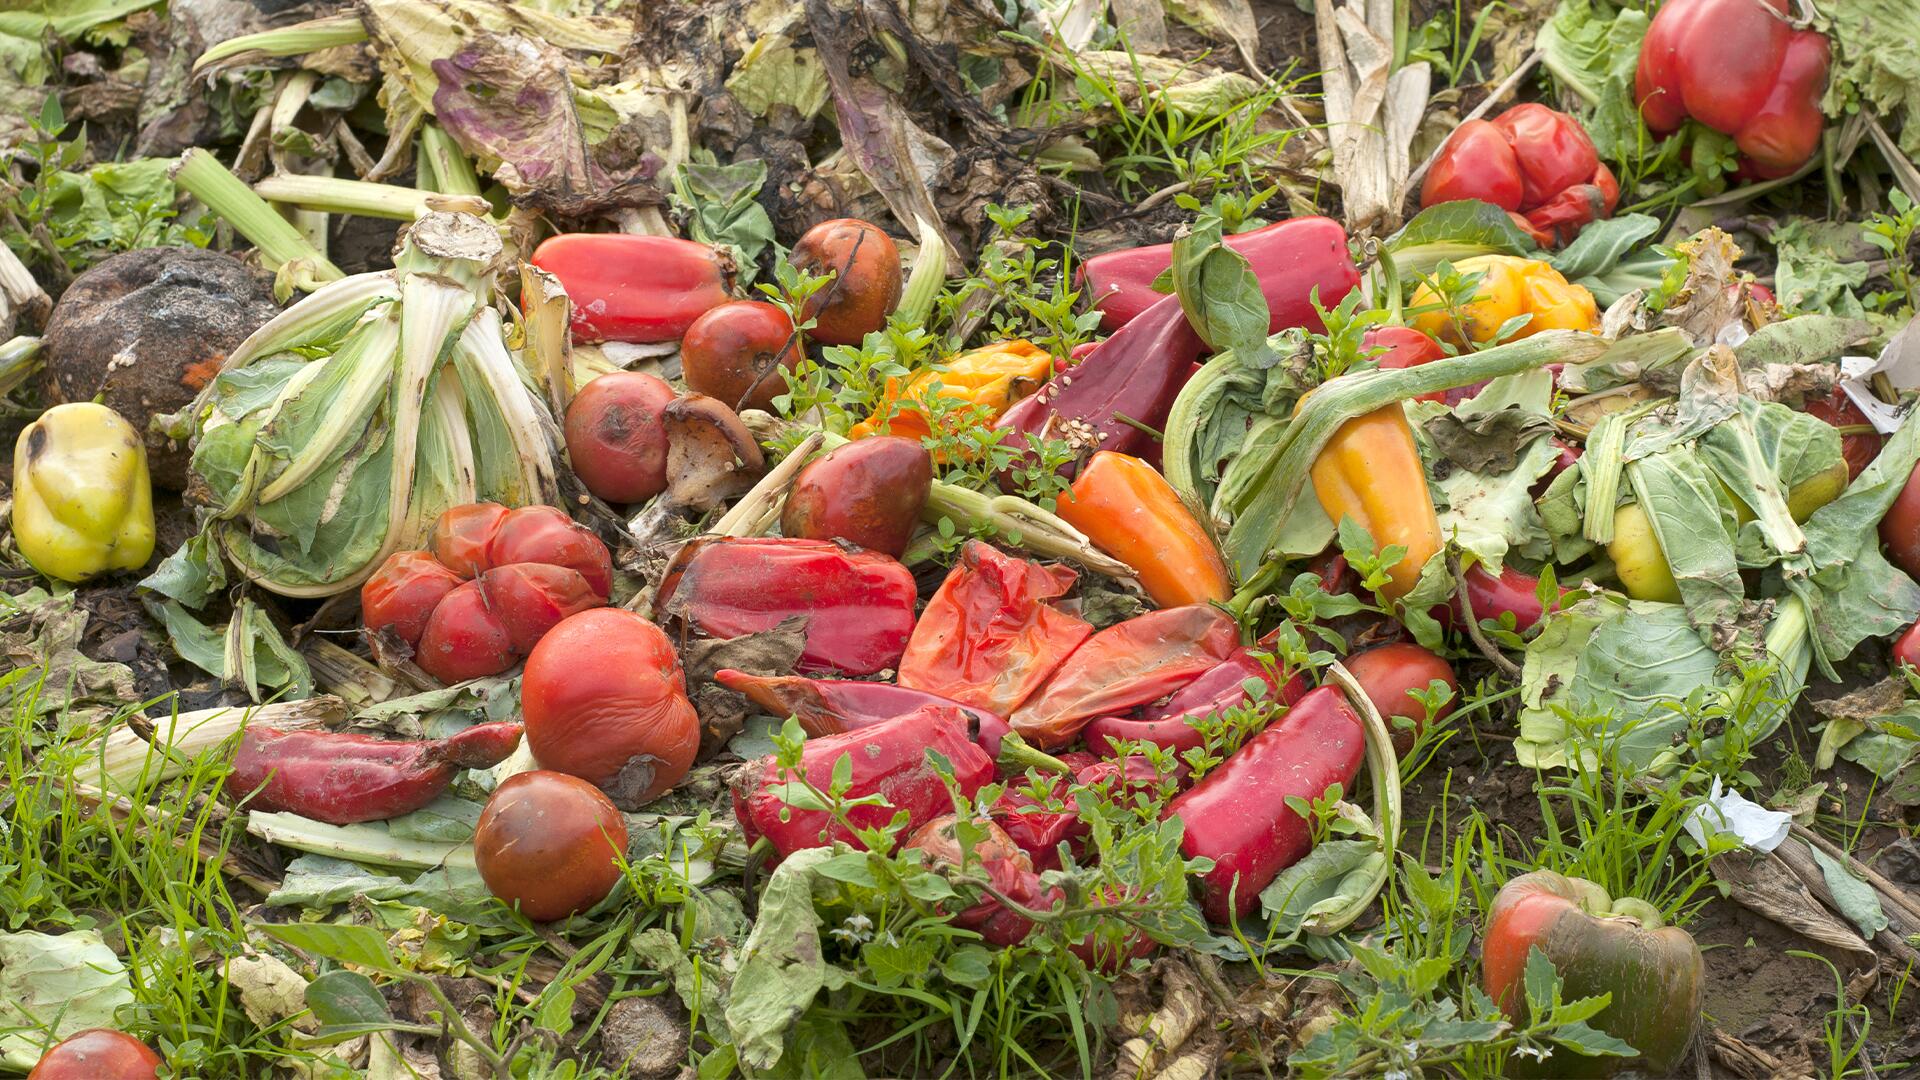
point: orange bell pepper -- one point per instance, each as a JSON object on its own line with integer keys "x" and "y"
{"x": 1130, "y": 512}
{"x": 1370, "y": 471}
{"x": 994, "y": 376}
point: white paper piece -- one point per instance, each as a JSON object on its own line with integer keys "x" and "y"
{"x": 1901, "y": 362}
{"x": 1728, "y": 813}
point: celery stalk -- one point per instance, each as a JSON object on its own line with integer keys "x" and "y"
{"x": 357, "y": 843}
{"x": 281, "y": 245}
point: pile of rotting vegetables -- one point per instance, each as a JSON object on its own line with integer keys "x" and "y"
{"x": 848, "y": 538}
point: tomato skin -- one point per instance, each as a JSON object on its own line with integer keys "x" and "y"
{"x": 545, "y": 534}
{"x": 616, "y": 440}
{"x": 532, "y": 598}
{"x": 402, "y": 594}
{"x": 605, "y": 700}
{"x": 1900, "y": 529}
{"x": 465, "y": 638}
{"x": 735, "y": 352}
{"x": 626, "y": 287}
{"x": 867, "y": 284}
{"x": 463, "y": 535}
{"x": 868, "y": 492}
{"x": 547, "y": 842}
{"x": 1388, "y": 672}
{"x": 98, "y": 1054}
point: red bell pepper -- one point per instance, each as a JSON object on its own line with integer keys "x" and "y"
{"x": 990, "y": 636}
{"x": 831, "y": 706}
{"x": 1169, "y": 724}
{"x": 888, "y": 759}
{"x": 627, "y": 287}
{"x": 1137, "y": 373}
{"x": 1406, "y": 347}
{"x": 1237, "y": 815}
{"x": 858, "y": 605}
{"x": 1535, "y": 163}
{"x": 1292, "y": 259}
{"x": 1127, "y": 664}
{"x": 344, "y": 777}
{"x": 1512, "y": 591}
{"x": 1740, "y": 68}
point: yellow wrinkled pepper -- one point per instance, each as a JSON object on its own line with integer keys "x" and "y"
{"x": 82, "y": 501}
{"x": 1509, "y": 286}
{"x": 994, "y": 376}
{"x": 1370, "y": 471}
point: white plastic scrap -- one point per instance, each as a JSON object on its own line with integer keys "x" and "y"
{"x": 1728, "y": 813}
{"x": 1901, "y": 362}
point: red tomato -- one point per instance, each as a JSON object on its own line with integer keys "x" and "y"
{"x": 605, "y": 700}
{"x": 547, "y": 842}
{"x": 1900, "y": 529}
{"x": 465, "y": 638}
{"x": 1389, "y": 673}
{"x": 98, "y": 1054}
{"x": 735, "y": 353}
{"x": 1906, "y": 648}
{"x": 867, "y": 282}
{"x": 545, "y": 534}
{"x": 616, "y": 440}
{"x": 402, "y": 594}
{"x": 463, "y": 534}
{"x": 532, "y": 598}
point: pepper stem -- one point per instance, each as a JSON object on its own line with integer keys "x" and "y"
{"x": 1017, "y": 755}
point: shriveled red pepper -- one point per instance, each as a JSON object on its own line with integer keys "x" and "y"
{"x": 1169, "y": 723}
{"x": 858, "y": 605}
{"x": 1007, "y": 869}
{"x": 1140, "y": 660}
{"x": 1535, "y": 163}
{"x": 990, "y": 636}
{"x": 627, "y": 287}
{"x": 1237, "y": 815}
{"x": 1132, "y": 513}
{"x": 1293, "y": 259}
{"x": 1129, "y": 382}
{"x": 831, "y": 706}
{"x": 342, "y": 777}
{"x": 1740, "y": 68}
{"x": 1511, "y": 592}
{"x": 1040, "y": 831}
{"x": 888, "y": 758}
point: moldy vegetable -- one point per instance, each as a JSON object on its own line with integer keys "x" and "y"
{"x": 546, "y": 843}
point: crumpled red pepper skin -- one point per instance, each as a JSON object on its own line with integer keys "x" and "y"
{"x": 1039, "y": 831}
{"x": 831, "y": 706}
{"x": 1222, "y": 686}
{"x": 991, "y": 635}
{"x": 1007, "y": 867}
{"x": 888, "y": 758}
{"x": 1740, "y": 69}
{"x": 344, "y": 777}
{"x": 1130, "y": 663}
{"x": 1292, "y": 259}
{"x": 1237, "y": 815}
{"x": 858, "y": 605}
{"x": 1535, "y": 163}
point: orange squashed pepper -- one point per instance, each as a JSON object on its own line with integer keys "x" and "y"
{"x": 994, "y": 376}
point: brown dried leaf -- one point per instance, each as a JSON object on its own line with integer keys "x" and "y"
{"x": 1763, "y": 883}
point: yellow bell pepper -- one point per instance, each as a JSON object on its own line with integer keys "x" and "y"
{"x": 1641, "y": 564}
{"x": 1370, "y": 471}
{"x": 1509, "y": 286}
{"x": 82, "y": 501}
{"x": 994, "y": 376}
